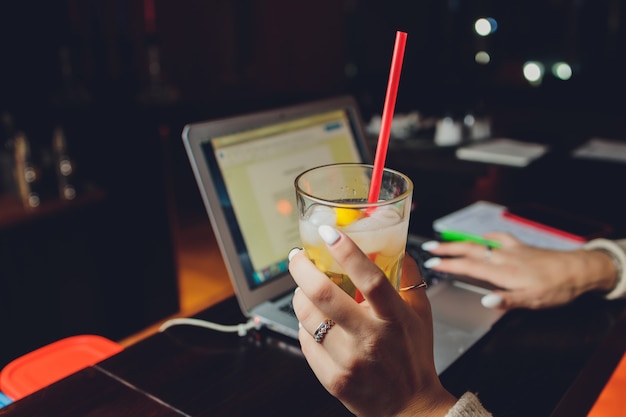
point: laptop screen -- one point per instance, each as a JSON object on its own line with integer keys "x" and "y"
{"x": 253, "y": 171}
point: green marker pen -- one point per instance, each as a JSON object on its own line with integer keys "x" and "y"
{"x": 457, "y": 236}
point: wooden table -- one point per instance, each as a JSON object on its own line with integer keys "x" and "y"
{"x": 552, "y": 362}
{"x": 545, "y": 363}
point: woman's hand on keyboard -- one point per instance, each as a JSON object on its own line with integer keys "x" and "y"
{"x": 528, "y": 276}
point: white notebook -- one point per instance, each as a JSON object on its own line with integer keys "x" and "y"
{"x": 502, "y": 151}
{"x": 602, "y": 149}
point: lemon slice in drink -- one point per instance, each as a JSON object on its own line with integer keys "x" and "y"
{"x": 345, "y": 216}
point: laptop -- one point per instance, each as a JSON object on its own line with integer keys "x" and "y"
{"x": 245, "y": 167}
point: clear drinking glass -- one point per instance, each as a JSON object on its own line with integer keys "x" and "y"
{"x": 337, "y": 195}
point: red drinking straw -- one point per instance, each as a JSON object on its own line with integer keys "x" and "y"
{"x": 388, "y": 109}
{"x": 385, "y": 127}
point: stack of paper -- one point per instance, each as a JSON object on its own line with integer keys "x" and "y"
{"x": 502, "y": 151}
{"x": 484, "y": 217}
{"x": 605, "y": 149}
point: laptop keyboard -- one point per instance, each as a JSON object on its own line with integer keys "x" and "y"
{"x": 414, "y": 249}
{"x": 287, "y": 308}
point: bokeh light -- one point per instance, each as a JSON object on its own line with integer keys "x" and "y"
{"x": 562, "y": 70}
{"x": 533, "y": 72}
{"x": 482, "y": 58}
{"x": 485, "y": 26}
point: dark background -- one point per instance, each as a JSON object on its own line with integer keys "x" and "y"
{"x": 231, "y": 56}
{"x": 123, "y": 77}
{"x": 223, "y": 57}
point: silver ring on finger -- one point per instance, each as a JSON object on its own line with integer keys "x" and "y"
{"x": 322, "y": 329}
{"x": 422, "y": 284}
{"x": 487, "y": 256}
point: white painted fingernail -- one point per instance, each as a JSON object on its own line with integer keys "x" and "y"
{"x": 432, "y": 262}
{"x": 491, "y": 300}
{"x": 293, "y": 252}
{"x": 328, "y": 234}
{"x": 430, "y": 245}
{"x": 296, "y": 290}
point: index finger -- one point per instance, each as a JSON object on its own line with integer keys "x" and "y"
{"x": 459, "y": 249}
{"x": 365, "y": 275}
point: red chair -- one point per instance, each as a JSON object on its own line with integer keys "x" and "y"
{"x": 52, "y": 362}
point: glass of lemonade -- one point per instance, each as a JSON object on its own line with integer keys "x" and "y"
{"x": 337, "y": 195}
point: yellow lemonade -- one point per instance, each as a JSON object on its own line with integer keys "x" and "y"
{"x": 381, "y": 234}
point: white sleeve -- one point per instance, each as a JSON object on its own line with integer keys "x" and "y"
{"x": 616, "y": 249}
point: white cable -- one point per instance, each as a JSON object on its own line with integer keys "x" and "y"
{"x": 241, "y": 328}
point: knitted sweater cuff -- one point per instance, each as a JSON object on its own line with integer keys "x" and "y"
{"x": 468, "y": 406}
